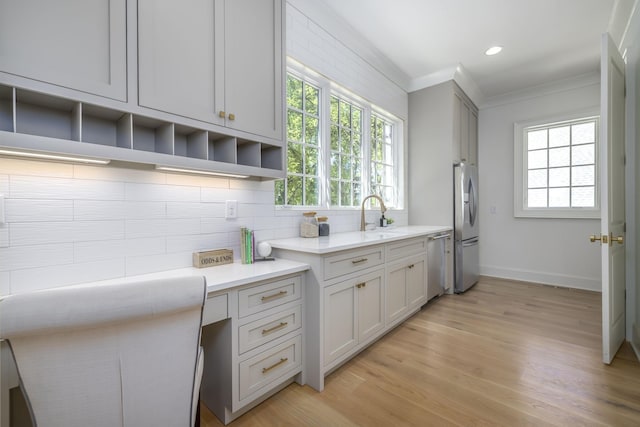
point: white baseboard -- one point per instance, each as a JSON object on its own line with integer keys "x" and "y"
{"x": 562, "y": 280}
{"x": 635, "y": 340}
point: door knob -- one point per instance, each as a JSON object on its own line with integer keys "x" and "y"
{"x": 602, "y": 238}
{"x": 618, "y": 239}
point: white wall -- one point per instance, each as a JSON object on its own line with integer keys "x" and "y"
{"x": 630, "y": 47}
{"x": 553, "y": 251}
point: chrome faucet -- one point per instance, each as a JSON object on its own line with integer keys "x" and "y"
{"x": 383, "y": 209}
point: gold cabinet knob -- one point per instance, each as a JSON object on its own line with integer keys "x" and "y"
{"x": 232, "y": 116}
{"x": 222, "y": 114}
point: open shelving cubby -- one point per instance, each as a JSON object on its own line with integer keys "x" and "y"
{"x": 49, "y": 116}
{"x": 97, "y": 129}
{"x": 6, "y": 109}
{"x": 190, "y": 142}
{"x": 152, "y": 135}
{"x": 222, "y": 148}
{"x": 248, "y": 153}
{"x": 106, "y": 127}
{"x": 271, "y": 157}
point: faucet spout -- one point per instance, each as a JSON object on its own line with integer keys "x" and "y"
{"x": 383, "y": 209}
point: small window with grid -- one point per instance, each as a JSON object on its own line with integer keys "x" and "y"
{"x": 382, "y": 180}
{"x": 302, "y": 185}
{"x": 559, "y": 169}
{"x": 346, "y": 153}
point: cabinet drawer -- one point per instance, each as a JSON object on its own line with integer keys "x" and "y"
{"x": 215, "y": 309}
{"x": 352, "y": 261}
{"x": 263, "y": 369}
{"x": 405, "y": 248}
{"x": 269, "y": 328}
{"x": 262, "y": 297}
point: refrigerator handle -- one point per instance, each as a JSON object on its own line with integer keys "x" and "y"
{"x": 471, "y": 242}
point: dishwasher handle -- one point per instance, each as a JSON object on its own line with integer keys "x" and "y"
{"x": 440, "y": 236}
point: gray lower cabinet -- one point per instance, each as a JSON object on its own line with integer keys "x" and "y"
{"x": 257, "y": 350}
{"x": 78, "y": 45}
{"x": 353, "y": 297}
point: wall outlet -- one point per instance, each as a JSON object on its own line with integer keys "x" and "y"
{"x": 231, "y": 209}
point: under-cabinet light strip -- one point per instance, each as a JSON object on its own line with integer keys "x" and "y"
{"x": 57, "y": 157}
{"x": 199, "y": 172}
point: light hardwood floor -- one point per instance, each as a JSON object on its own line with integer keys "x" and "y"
{"x": 504, "y": 353}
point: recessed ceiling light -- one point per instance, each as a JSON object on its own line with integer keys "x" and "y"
{"x": 493, "y": 50}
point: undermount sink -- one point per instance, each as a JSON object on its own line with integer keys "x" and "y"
{"x": 382, "y": 233}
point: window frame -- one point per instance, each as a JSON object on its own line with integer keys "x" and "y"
{"x": 328, "y": 89}
{"x": 521, "y": 169}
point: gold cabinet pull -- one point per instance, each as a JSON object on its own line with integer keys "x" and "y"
{"x": 361, "y": 285}
{"x": 222, "y": 114}
{"x": 604, "y": 239}
{"x": 232, "y": 116}
{"x": 274, "y": 296}
{"x": 359, "y": 261}
{"x": 274, "y": 328}
{"x": 275, "y": 365}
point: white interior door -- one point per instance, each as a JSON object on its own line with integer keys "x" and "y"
{"x": 612, "y": 162}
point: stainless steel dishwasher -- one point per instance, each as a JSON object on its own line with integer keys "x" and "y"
{"x": 438, "y": 245}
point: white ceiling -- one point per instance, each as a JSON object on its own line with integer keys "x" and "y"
{"x": 543, "y": 40}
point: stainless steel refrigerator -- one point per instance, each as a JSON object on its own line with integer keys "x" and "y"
{"x": 465, "y": 210}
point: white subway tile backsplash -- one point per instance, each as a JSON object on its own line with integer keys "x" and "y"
{"x": 157, "y": 192}
{"x": 39, "y": 233}
{"x": 28, "y": 187}
{"x": 197, "y": 180}
{"x": 31, "y": 210}
{"x": 177, "y": 227}
{"x": 185, "y": 209}
{"x": 20, "y": 257}
{"x": 144, "y": 210}
{"x": 5, "y": 283}
{"x": 84, "y": 210}
{"x": 4, "y": 184}
{"x": 35, "y": 168}
{"x": 195, "y": 243}
{"x": 84, "y": 231}
{"x": 154, "y": 263}
{"x": 218, "y": 225}
{"x": 213, "y": 210}
{"x": 111, "y": 173}
{"x": 111, "y": 249}
{"x": 215, "y": 195}
{"x": 141, "y": 228}
{"x": 32, "y": 279}
{"x": 4, "y": 235}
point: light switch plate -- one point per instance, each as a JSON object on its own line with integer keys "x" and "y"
{"x": 231, "y": 209}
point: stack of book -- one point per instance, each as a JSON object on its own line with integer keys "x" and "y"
{"x": 247, "y": 244}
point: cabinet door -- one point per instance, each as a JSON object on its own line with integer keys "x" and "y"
{"x": 473, "y": 137}
{"x": 416, "y": 283}
{"x": 396, "y": 292}
{"x": 176, "y": 57}
{"x": 464, "y": 131}
{"x": 77, "y": 44}
{"x": 370, "y": 307}
{"x": 340, "y": 333}
{"x": 253, "y": 66}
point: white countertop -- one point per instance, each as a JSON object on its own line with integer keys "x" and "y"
{"x": 222, "y": 277}
{"x": 355, "y": 239}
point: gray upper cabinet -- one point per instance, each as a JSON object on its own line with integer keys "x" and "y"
{"x": 220, "y": 62}
{"x": 74, "y": 44}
